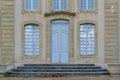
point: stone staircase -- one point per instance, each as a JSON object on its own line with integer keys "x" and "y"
{"x": 57, "y": 70}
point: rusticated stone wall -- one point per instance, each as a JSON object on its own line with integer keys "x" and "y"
{"x": 7, "y": 32}
{"x": 111, "y": 34}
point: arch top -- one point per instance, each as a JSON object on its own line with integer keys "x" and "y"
{"x": 31, "y": 23}
{"x": 88, "y": 22}
{"x": 59, "y": 21}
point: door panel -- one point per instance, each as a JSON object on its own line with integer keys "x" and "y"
{"x": 55, "y": 43}
{"x": 60, "y": 41}
{"x": 64, "y": 43}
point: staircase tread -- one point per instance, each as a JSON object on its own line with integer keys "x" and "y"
{"x": 59, "y": 64}
{"x": 60, "y": 72}
{"x": 59, "y": 69}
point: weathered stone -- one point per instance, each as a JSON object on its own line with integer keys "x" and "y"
{"x": 114, "y": 69}
{"x": 7, "y": 32}
{"x": 111, "y": 35}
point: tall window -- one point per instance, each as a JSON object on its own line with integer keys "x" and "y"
{"x": 59, "y": 5}
{"x": 31, "y": 40}
{"x": 87, "y": 4}
{"x": 31, "y": 5}
{"x": 87, "y": 39}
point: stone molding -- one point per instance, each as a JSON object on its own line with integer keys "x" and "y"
{"x": 58, "y": 13}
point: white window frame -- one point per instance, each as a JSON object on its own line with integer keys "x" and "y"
{"x": 87, "y": 39}
{"x": 87, "y": 6}
{"x": 57, "y": 5}
{"x": 31, "y": 5}
{"x": 31, "y": 40}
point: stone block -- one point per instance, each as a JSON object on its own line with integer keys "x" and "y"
{"x": 114, "y": 69}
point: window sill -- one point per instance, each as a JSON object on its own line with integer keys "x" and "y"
{"x": 31, "y": 57}
{"x": 88, "y": 11}
{"x": 23, "y": 12}
{"x": 87, "y": 56}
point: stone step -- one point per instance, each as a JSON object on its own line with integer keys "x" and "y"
{"x": 58, "y": 70}
{"x": 59, "y": 67}
{"x": 56, "y": 73}
{"x": 59, "y": 64}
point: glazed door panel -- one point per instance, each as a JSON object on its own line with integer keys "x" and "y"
{"x": 60, "y": 41}
{"x": 64, "y": 30}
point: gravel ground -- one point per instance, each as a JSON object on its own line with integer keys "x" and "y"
{"x": 63, "y": 78}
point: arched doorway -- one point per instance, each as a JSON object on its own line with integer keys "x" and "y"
{"x": 60, "y": 41}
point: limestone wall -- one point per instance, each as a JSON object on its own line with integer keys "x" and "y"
{"x": 111, "y": 26}
{"x": 7, "y": 32}
{"x": 0, "y": 30}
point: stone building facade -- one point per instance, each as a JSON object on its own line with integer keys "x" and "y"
{"x": 105, "y": 19}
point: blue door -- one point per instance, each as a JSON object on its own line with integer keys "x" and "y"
{"x": 60, "y": 41}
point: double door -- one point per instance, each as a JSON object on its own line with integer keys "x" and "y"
{"x": 60, "y": 41}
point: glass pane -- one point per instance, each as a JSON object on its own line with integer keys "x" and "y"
{"x": 87, "y": 39}
{"x": 59, "y": 5}
{"x": 31, "y": 42}
{"x": 82, "y": 4}
{"x": 87, "y": 4}
{"x": 31, "y": 5}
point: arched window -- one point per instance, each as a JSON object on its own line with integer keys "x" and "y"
{"x": 31, "y": 40}
{"x": 59, "y": 5}
{"x": 31, "y": 5}
{"x": 87, "y": 39}
{"x": 87, "y": 4}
